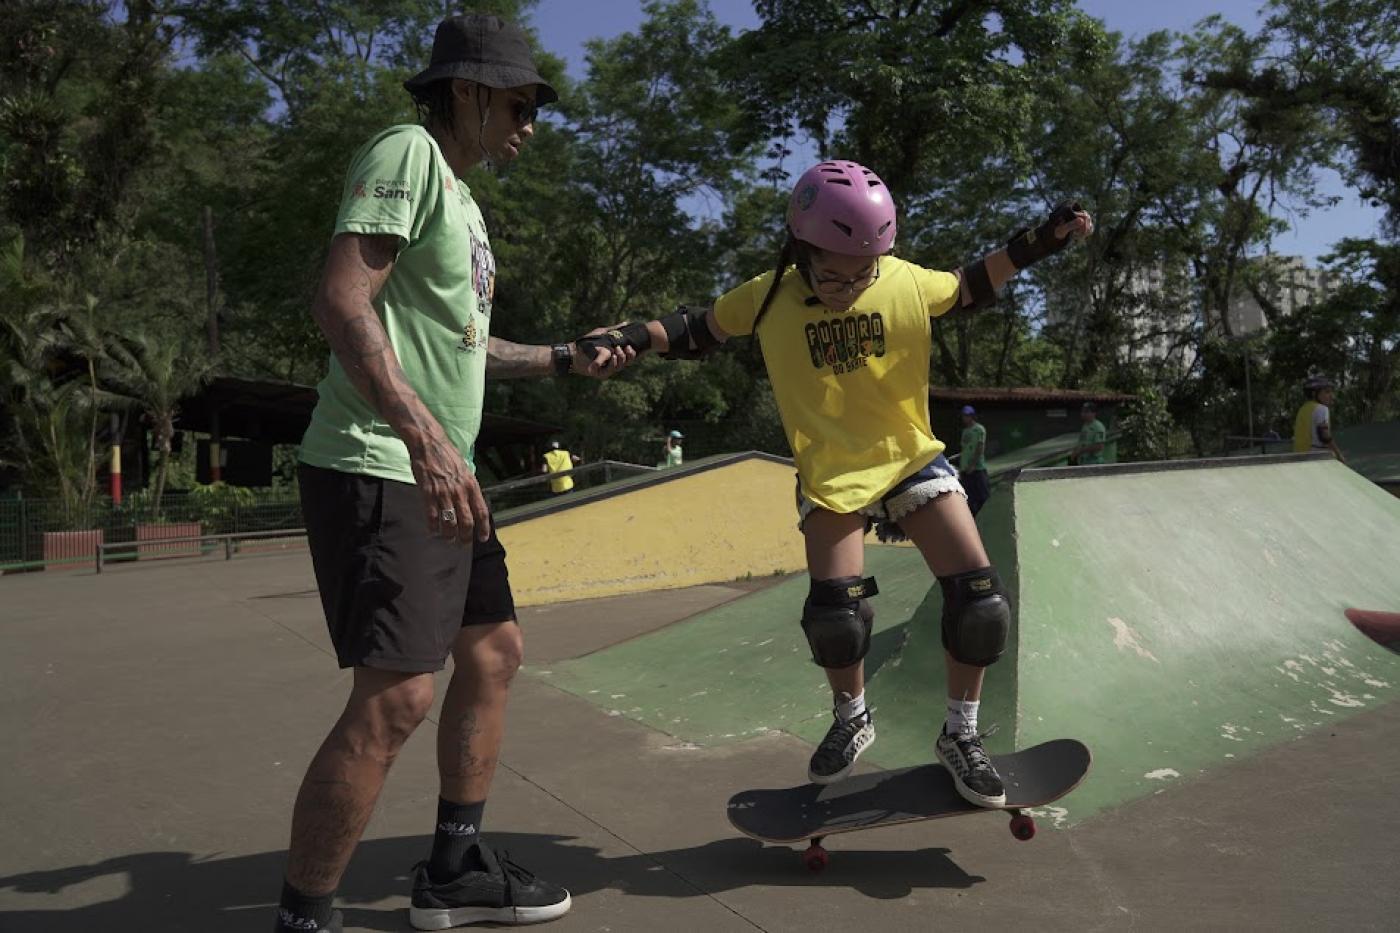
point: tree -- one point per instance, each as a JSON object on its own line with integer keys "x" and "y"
{"x": 50, "y": 407}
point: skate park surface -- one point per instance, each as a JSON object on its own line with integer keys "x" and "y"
{"x": 1186, "y": 623}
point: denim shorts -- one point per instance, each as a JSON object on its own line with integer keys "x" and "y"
{"x": 938, "y": 478}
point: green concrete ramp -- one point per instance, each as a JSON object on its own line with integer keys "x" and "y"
{"x": 1175, "y": 617}
{"x": 744, "y": 669}
{"x": 1180, "y": 617}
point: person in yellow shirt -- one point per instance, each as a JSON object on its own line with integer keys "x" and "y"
{"x": 846, "y": 333}
{"x": 1312, "y": 428}
{"x": 558, "y": 460}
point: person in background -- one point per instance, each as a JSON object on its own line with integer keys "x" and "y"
{"x": 1092, "y": 437}
{"x": 559, "y": 460}
{"x": 1312, "y": 429}
{"x": 972, "y": 465}
{"x": 672, "y": 449}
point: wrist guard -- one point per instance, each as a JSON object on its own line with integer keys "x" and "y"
{"x": 630, "y": 334}
{"x": 688, "y": 333}
{"x": 1029, "y": 246}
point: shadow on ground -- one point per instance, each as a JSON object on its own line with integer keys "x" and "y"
{"x": 174, "y": 892}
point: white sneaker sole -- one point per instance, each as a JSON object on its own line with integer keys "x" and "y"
{"x": 445, "y": 918}
{"x": 861, "y": 746}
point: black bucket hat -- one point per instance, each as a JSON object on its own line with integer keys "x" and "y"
{"x": 485, "y": 49}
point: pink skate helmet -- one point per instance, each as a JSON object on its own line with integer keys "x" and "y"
{"x": 842, "y": 207}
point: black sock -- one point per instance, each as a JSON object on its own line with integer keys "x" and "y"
{"x": 458, "y": 828}
{"x": 297, "y": 912}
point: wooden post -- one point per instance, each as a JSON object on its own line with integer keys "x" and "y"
{"x": 211, "y": 283}
{"x": 116, "y": 461}
{"x": 211, "y": 307}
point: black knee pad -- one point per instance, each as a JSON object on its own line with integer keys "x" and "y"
{"x": 837, "y": 620}
{"x": 976, "y": 616}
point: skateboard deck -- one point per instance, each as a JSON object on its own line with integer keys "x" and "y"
{"x": 1033, "y": 777}
{"x": 1381, "y": 627}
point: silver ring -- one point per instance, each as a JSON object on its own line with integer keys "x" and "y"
{"x": 449, "y": 516}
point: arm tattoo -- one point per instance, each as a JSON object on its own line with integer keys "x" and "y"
{"x": 506, "y": 360}
{"x": 356, "y": 270}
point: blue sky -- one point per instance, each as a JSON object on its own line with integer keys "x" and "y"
{"x": 564, "y": 25}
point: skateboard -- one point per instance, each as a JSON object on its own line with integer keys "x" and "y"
{"x": 1033, "y": 777}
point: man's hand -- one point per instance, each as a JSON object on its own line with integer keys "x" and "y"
{"x": 608, "y": 358}
{"x": 1077, "y": 229}
{"x": 452, "y": 500}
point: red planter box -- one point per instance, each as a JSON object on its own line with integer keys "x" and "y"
{"x": 68, "y": 548}
{"x": 150, "y": 540}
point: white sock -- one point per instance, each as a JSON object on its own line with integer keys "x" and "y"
{"x": 851, "y": 708}
{"x": 962, "y": 716}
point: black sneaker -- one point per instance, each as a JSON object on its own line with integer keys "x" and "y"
{"x": 285, "y": 922}
{"x": 973, "y": 775}
{"x": 502, "y": 893}
{"x": 837, "y": 753}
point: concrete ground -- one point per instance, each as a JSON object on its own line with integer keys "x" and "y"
{"x": 157, "y": 721}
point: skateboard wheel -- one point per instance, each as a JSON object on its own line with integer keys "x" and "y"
{"x": 815, "y": 858}
{"x": 1023, "y": 827}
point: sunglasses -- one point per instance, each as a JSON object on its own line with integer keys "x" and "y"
{"x": 524, "y": 111}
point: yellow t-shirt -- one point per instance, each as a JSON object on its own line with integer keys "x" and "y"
{"x": 852, "y": 388}
{"x": 1311, "y": 416}
{"x": 558, "y": 461}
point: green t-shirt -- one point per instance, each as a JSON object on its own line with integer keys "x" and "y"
{"x": 974, "y": 448}
{"x": 435, "y": 305}
{"x": 1092, "y": 433}
{"x": 673, "y": 456}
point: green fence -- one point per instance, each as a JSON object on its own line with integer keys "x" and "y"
{"x": 228, "y": 510}
{"x": 218, "y": 510}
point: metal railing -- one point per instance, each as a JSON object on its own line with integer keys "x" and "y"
{"x": 27, "y": 525}
{"x": 1008, "y": 474}
{"x": 24, "y": 523}
{"x": 161, "y": 546}
{"x": 518, "y": 492}
{"x": 1242, "y": 445}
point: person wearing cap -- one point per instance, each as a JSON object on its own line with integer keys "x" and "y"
{"x": 406, "y": 559}
{"x": 972, "y": 462}
{"x": 672, "y": 449}
{"x": 559, "y": 460}
{"x": 1093, "y": 436}
{"x": 1312, "y": 428}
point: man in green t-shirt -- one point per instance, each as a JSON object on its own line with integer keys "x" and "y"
{"x": 1092, "y": 437}
{"x": 407, "y": 562}
{"x": 972, "y": 462}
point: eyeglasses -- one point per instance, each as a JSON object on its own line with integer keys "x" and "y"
{"x": 524, "y": 111}
{"x": 838, "y": 286}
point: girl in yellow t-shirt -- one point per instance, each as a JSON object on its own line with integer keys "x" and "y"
{"x": 846, "y": 337}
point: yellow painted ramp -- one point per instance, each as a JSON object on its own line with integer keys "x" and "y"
{"x": 716, "y": 520}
